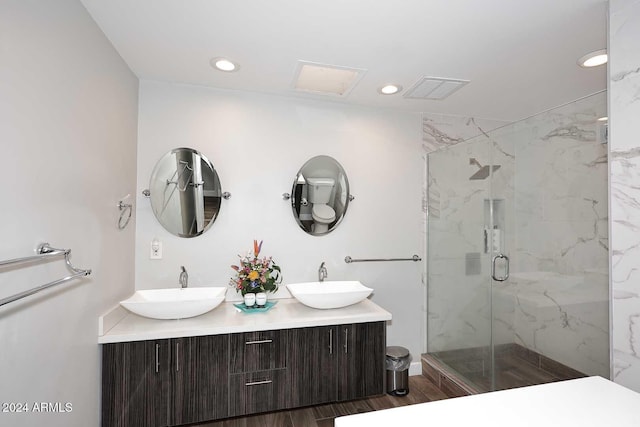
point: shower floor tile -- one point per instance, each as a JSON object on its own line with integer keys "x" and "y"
{"x": 515, "y": 366}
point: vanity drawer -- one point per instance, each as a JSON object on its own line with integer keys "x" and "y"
{"x": 258, "y": 351}
{"x": 260, "y": 391}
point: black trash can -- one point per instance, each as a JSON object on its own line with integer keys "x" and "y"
{"x": 397, "y": 364}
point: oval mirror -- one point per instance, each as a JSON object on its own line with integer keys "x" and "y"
{"x": 320, "y": 195}
{"x": 185, "y": 192}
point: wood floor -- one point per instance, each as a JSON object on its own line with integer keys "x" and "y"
{"x": 421, "y": 390}
{"x": 515, "y": 366}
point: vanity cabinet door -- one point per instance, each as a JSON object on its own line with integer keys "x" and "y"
{"x": 133, "y": 374}
{"x": 361, "y": 368}
{"x": 313, "y": 365}
{"x": 199, "y": 373}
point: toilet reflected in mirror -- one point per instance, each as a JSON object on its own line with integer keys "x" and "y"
{"x": 320, "y": 195}
{"x": 322, "y": 214}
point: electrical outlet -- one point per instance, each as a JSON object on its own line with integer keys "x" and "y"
{"x": 156, "y": 249}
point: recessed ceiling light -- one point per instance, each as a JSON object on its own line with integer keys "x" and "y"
{"x": 390, "y": 89}
{"x": 593, "y": 59}
{"x": 224, "y": 64}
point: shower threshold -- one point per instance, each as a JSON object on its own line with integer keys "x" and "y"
{"x": 467, "y": 371}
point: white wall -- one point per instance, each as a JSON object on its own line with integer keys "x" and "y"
{"x": 624, "y": 169}
{"x": 68, "y": 116}
{"x": 257, "y": 143}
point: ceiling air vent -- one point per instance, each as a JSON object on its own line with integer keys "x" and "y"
{"x": 434, "y": 88}
{"x": 326, "y": 79}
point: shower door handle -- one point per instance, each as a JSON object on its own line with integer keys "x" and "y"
{"x": 506, "y": 268}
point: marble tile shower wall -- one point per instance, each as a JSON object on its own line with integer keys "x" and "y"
{"x": 559, "y": 285}
{"x": 624, "y": 87}
{"x": 458, "y": 289}
{"x": 551, "y": 192}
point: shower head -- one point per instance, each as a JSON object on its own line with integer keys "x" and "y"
{"x": 484, "y": 171}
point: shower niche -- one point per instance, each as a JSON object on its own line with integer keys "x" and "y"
{"x": 494, "y": 226}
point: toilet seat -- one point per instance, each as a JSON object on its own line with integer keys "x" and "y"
{"x": 323, "y": 213}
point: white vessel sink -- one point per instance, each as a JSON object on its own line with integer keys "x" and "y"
{"x": 329, "y": 294}
{"x": 174, "y": 303}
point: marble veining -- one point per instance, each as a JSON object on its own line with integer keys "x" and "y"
{"x": 624, "y": 74}
{"x": 624, "y": 83}
{"x": 572, "y": 132}
{"x": 439, "y": 130}
{"x": 552, "y": 187}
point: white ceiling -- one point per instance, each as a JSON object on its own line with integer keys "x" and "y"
{"x": 520, "y": 55}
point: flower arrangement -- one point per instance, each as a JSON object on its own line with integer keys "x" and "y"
{"x": 256, "y": 274}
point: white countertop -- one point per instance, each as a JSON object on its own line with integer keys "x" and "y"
{"x": 286, "y": 314}
{"x": 585, "y": 402}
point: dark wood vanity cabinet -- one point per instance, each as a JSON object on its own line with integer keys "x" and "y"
{"x": 199, "y": 379}
{"x": 313, "y": 365}
{"x": 165, "y": 382}
{"x": 337, "y": 363}
{"x": 361, "y": 360}
{"x": 133, "y": 392}
{"x": 258, "y": 380}
{"x": 194, "y": 379}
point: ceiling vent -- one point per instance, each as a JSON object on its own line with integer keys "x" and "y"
{"x": 326, "y": 79}
{"x": 434, "y": 88}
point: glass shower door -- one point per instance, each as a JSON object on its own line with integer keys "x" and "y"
{"x": 460, "y": 233}
{"x": 518, "y": 251}
{"x": 550, "y": 317}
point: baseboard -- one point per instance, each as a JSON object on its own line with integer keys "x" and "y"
{"x": 415, "y": 368}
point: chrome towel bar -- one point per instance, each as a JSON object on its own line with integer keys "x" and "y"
{"x": 414, "y": 258}
{"x": 43, "y": 251}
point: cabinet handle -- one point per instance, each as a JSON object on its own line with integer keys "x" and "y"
{"x": 258, "y": 342}
{"x": 258, "y": 383}
{"x": 346, "y": 341}
{"x": 330, "y": 341}
{"x": 177, "y": 356}
{"x": 157, "y": 358}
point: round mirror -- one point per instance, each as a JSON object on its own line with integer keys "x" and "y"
{"x": 320, "y": 195}
{"x": 185, "y": 192}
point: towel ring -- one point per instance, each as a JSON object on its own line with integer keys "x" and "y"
{"x": 125, "y": 214}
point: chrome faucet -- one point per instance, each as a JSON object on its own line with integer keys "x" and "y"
{"x": 322, "y": 272}
{"x": 184, "y": 278}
